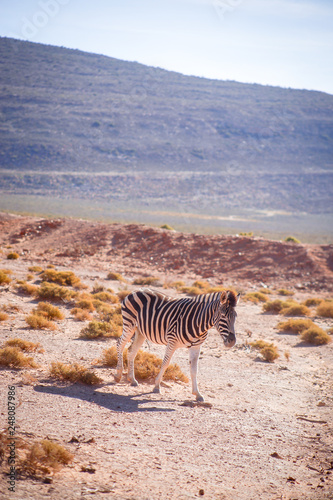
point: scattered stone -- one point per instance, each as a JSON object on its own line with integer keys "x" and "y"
{"x": 276, "y": 455}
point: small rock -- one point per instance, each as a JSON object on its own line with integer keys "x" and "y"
{"x": 201, "y": 492}
{"x": 276, "y": 455}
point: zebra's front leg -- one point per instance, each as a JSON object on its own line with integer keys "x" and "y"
{"x": 132, "y": 352}
{"x": 194, "y": 357}
{"x": 126, "y": 337}
{"x": 170, "y": 349}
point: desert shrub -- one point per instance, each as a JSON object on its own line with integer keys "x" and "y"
{"x": 294, "y": 325}
{"x": 85, "y": 304}
{"x": 255, "y": 297}
{"x": 38, "y": 322}
{"x": 106, "y": 297}
{"x": 24, "y": 345}
{"x": 214, "y": 289}
{"x": 266, "y": 291}
{"x": 73, "y": 373}
{"x": 102, "y": 307}
{"x": 63, "y": 278}
{"x": 30, "y": 277}
{"x": 274, "y": 306}
{"x": 294, "y": 309}
{"x": 4, "y": 278}
{"x": 35, "y": 269}
{"x": 48, "y": 311}
{"x": 146, "y": 365}
{"x": 115, "y": 276}
{"x": 56, "y": 293}
{"x": 166, "y": 226}
{"x": 14, "y": 358}
{"x": 178, "y": 285}
{"x": 98, "y": 288}
{"x": 268, "y": 351}
{"x": 283, "y": 291}
{"x": 44, "y": 457}
{"x": 325, "y": 309}
{"x": 248, "y": 235}
{"x": 314, "y": 301}
{"x": 291, "y": 239}
{"x": 315, "y": 336}
{"x": 98, "y": 329}
{"x": 150, "y": 280}
{"x": 122, "y": 294}
{"x": 3, "y": 316}
{"x": 13, "y": 256}
{"x": 81, "y": 314}
{"x": 203, "y": 285}
{"x": 27, "y": 289}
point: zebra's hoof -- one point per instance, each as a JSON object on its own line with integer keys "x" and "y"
{"x": 134, "y": 383}
{"x": 157, "y": 390}
{"x": 117, "y": 379}
{"x": 199, "y": 398}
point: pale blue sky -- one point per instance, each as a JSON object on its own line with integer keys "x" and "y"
{"x": 288, "y": 43}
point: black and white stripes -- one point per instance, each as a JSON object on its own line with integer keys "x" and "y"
{"x": 175, "y": 323}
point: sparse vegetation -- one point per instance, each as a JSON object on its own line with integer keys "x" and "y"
{"x": 99, "y": 329}
{"x": 43, "y": 457}
{"x": 27, "y": 288}
{"x": 314, "y": 301}
{"x": 325, "y": 309}
{"x": 35, "y": 269}
{"x": 85, "y": 303}
{"x": 166, "y": 226}
{"x": 24, "y": 345}
{"x": 115, "y": 276}
{"x": 291, "y": 239}
{"x": 63, "y": 278}
{"x": 74, "y": 373}
{"x": 294, "y": 325}
{"x": 178, "y": 285}
{"x": 48, "y": 311}
{"x": 38, "y": 322}
{"x": 56, "y": 293}
{"x": 13, "y": 256}
{"x": 268, "y": 350}
{"x": 146, "y": 365}
{"x": 255, "y": 297}
{"x": 122, "y": 294}
{"x": 294, "y": 309}
{"x": 149, "y": 280}
{"x": 106, "y": 297}
{"x": 315, "y": 336}
{"x": 3, "y": 316}
{"x": 81, "y": 314}
{"x": 4, "y": 277}
{"x": 14, "y": 358}
{"x": 286, "y": 293}
{"x": 274, "y": 306}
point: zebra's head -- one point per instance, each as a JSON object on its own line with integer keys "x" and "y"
{"x": 226, "y": 316}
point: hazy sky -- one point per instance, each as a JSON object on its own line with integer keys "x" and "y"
{"x": 278, "y": 42}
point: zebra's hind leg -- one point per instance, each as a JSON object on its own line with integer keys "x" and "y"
{"x": 194, "y": 357}
{"x": 170, "y": 349}
{"x": 126, "y": 337}
{"x": 132, "y": 352}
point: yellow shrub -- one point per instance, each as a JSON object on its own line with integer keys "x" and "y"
{"x": 74, "y": 373}
{"x": 150, "y": 280}
{"x": 64, "y": 278}
{"x": 24, "y": 345}
{"x": 38, "y": 322}
{"x": 48, "y": 311}
{"x": 43, "y": 457}
{"x": 294, "y": 325}
{"x": 14, "y": 358}
{"x": 13, "y": 255}
{"x": 255, "y": 297}
{"x": 312, "y": 302}
{"x": 115, "y": 276}
{"x": 4, "y": 278}
{"x": 51, "y": 291}
{"x": 325, "y": 309}
{"x": 296, "y": 310}
{"x": 81, "y": 314}
{"x": 3, "y": 316}
{"x": 268, "y": 351}
{"x": 315, "y": 335}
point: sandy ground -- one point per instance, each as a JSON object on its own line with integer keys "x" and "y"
{"x": 267, "y": 433}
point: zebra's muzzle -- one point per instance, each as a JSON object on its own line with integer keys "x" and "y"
{"x": 230, "y": 341}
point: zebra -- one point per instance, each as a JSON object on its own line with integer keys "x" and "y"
{"x": 174, "y": 322}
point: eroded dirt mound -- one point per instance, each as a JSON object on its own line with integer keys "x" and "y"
{"x": 158, "y": 250}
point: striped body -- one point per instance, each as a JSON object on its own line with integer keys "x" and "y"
{"x": 175, "y": 323}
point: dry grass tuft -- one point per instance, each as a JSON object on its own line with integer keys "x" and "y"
{"x": 146, "y": 365}
{"x": 63, "y": 278}
{"x": 274, "y": 306}
{"x": 315, "y": 336}
{"x": 44, "y": 457}
{"x": 85, "y": 303}
{"x": 74, "y": 373}
{"x": 54, "y": 292}
{"x": 122, "y": 294}
{"x": 3, "y": 316}
{"x": 325, "y": 309}
{"x": 191, "y": 290}
{"x": 268, "y": 351}
{"x": 314, "y": 301}
{"x": 178, "y": 285}
{"x": 13, "y": 256}
{"x": 27, "y": 289}
{"x": 255, "y": 297}
{"x": 4, "y": 278}
{"x": 149, "y": 280}
{"x": 99, "y": 329}
{"x": 115, "y": 276}
{"x": 35, "y": 269}
{"x": 24, "y": 345}
{"x": 14, "y": 358}
{"x": 81, "y": 314}
{"x": 286, "y": 293}
{"x": 294, "y": 325}
{"x": 106, "y": 297}
{"x": 38, "y": 322}
{"x": 49, "y": 311}
{"x": 295, "y": 309}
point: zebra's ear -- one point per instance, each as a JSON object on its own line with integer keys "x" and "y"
{"x": 230, "y": 298}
